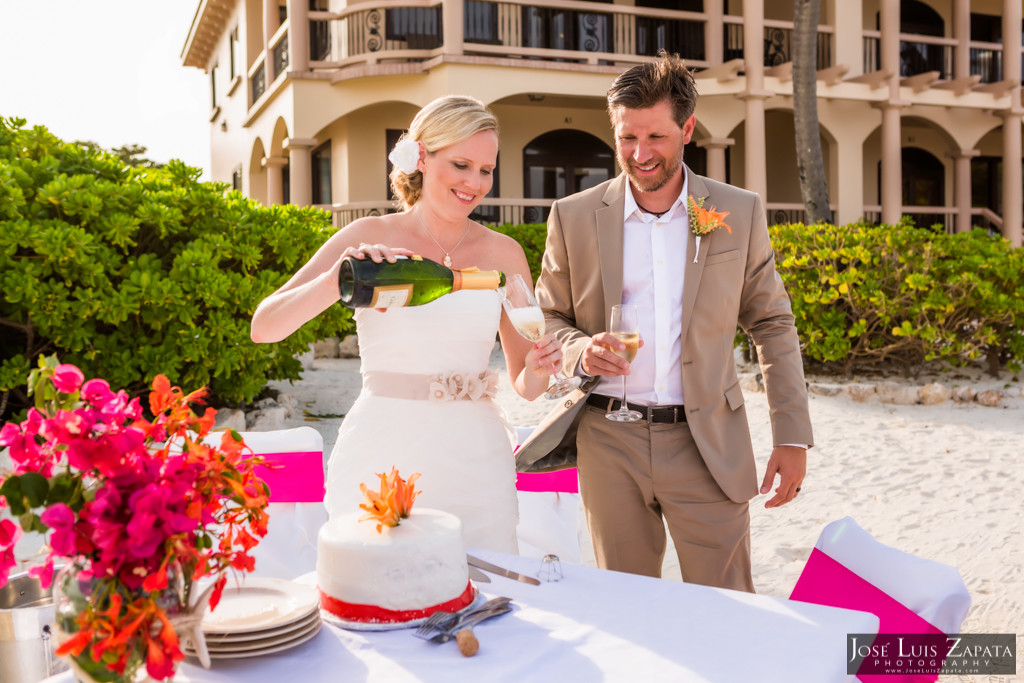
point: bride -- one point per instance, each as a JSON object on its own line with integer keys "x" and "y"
{"x": 427, "y": 399}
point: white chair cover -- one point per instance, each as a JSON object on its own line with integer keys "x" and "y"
{"x": 934, "y": 591}
{"x": 549, "y": 521}
{"x": 289, "y": 548}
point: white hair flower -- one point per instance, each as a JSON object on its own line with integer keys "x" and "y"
{"x": 405, "y": 156}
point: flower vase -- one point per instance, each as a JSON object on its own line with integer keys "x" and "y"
{"x": 75, "y": 590}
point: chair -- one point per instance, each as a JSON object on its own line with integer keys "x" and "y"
{"x": 296, "y": 507}
{"x": 549, "y": 512}
{"x": 848, "y": 568}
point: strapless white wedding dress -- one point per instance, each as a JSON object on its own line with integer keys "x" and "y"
{"x": 426, "y": 406}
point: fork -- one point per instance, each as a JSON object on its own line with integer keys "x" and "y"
{"x": 468, "y": 622}
{"x": 437, "y": 621}
{"x": 442, "y": 621}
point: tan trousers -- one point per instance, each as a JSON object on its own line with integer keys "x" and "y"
{"x": 632, "y": 474}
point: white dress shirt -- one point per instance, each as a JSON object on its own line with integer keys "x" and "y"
{"x": 653, "y": 263}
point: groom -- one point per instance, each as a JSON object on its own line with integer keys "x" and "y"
{"x": 689, "y": 463}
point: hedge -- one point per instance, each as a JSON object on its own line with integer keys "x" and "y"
{"x": 869, "y": 296}
{"x": 128, "y": 273}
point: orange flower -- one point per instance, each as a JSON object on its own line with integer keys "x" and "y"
{"x": 704, "y": 220}
{"x": 393, "y": 503}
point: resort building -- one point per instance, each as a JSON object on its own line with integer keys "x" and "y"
{"x": 919, "y": 101}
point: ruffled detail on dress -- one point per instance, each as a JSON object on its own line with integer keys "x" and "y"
{"x": 459, "y": 386}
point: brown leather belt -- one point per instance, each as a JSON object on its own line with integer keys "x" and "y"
{"x": 653, "y": 414}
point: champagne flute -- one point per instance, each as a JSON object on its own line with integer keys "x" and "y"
{"x": 525, "y": 315}
{"x": 625, "y": 328}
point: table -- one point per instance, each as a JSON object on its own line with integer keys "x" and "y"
{"x": 594, "y": 625}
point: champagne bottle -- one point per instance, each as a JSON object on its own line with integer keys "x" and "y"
{"x": 409, "y": 281}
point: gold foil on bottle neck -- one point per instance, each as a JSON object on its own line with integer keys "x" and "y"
{"x": 473, "y": 278}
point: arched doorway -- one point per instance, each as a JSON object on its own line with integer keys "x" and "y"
{"x": 924, "y": 184}
{"x": 562, "y": 162}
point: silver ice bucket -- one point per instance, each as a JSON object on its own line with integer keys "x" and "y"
{"x": 26, "y": 632}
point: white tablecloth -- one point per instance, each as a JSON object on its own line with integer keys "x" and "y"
{"x": 593, "y": 625}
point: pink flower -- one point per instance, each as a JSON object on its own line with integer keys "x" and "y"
{"x": 9, "y": 535}
{"x": 61, "y": 519}
{"x": 67, "y": 378}
{"x": 43, "y": 572}
{"x": 97, "y": 392}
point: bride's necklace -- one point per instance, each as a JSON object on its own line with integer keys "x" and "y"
{"x": 447, "y": 261}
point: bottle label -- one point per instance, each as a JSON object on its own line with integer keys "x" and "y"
{"x": 391, "y": 296}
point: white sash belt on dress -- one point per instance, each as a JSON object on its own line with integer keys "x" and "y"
{"x": 450, "y": 386}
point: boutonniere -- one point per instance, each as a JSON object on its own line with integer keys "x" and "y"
{"x": 704, "y": 220}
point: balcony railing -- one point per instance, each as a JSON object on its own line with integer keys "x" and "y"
{"x": 280, "y": 53}
{"x": 918, "y": 54}
{"x": 778, "y": 43}
{"x": 987, "y": 61}
{"x": 257, "y": 81}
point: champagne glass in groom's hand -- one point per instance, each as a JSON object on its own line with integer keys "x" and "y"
{"x": 525, "y": 314}
{"x": 625, "y": 328}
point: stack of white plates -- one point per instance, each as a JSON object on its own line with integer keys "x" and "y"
{"x": 260, "y": 616}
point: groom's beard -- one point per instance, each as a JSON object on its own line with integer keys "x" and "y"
{"x": 667, "y": 169}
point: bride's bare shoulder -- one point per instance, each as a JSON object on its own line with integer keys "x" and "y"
{"x": 370, "y": 229}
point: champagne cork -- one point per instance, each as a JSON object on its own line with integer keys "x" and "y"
{"x": 467, "y": 642}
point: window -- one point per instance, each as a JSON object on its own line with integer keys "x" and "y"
{"x": 233, "y": 52}
{"x": 481, "y": 22}
{"x": 321, "y": 160}
{"x": 282, "y": 12}
{"x": 213, "y": 86}
{"x": 236, "y": 179}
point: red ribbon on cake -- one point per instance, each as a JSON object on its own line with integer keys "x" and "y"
{"x": 373, "y": 614}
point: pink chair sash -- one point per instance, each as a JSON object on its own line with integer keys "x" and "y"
{"x": 300, "y": 480}
{"x": 562, "y": 481}
{"x": 824, "y": 581}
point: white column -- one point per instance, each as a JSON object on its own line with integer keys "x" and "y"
{"x": 300, "y": 170}
{"x": 848, "y": 193}
{"x": 847, "y": 20}
{"x": 270, "y": 24}
{"x": 755, "y": 160}
{"x": 298, "y": 35}
{"x": 962, "y": 187}
{"x": 275, "y": 179}
{"x": 716, "y": 156}
{"x": 962, "y": 35}
{"x": 714, "y": 31}
{"x": 892, "y": 158}
{"x": 453, "y": 26}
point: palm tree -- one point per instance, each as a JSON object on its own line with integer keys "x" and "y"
{"x": 810, "y": 164}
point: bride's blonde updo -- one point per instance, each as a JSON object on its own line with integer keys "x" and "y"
{"x": 445, "y": 121}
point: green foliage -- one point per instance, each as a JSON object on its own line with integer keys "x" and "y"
{"x": 131, "y": 272}
{"x": 531, "y": 236}
{"x": 899, "y": 295}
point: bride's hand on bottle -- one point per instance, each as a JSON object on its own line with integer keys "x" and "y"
{"x": 545, "y": 357}
{"x": 376, "y": 252}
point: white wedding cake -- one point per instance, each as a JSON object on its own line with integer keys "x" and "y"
{"x": 394, "y": 574}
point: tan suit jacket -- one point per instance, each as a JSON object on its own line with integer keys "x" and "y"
{"x": 733, "y": 281}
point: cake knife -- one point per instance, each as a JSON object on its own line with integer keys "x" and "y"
{"x": 478, "y": 575}
{"x": 500, "y": 571}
